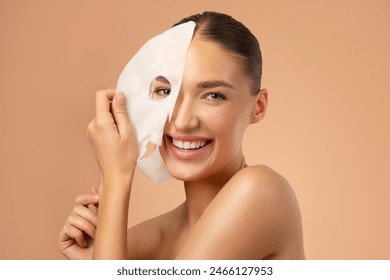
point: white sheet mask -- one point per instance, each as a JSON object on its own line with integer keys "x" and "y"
{"x": 164, "y": 56}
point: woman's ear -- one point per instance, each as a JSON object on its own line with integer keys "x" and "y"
{"x": 260, "y": 106}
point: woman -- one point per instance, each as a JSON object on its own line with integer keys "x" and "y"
{"x": 232, "y": 210}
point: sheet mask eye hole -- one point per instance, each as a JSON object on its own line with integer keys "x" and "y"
{"x": 160, "y": 88}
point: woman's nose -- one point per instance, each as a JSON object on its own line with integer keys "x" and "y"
{"x": 184, "y": 115}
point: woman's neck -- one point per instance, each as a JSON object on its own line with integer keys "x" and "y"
{"x": 199, "y": 194}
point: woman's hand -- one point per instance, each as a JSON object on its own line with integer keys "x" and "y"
{"x": 115, "y": 146}
{"x": 77, "y": 235}
{"x": 112, "y": 136}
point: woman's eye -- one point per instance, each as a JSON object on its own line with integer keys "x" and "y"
{"x": 215, "y": 96}
{"x": 160, "y": 88}
{"x": 160, "y": 93}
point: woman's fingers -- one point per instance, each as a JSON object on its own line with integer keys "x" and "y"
{"x": 82, "y": 219}
{"x": 111, "y": 108}
{"x": 86, "y": 213}
{"x": 87, "y": 198}
{"x": 103, "y": 103}
{"x": 85, "y": 223}
{"x": 119, "y": 111}
{"x": 94, "y": 190}
{"x": 76, "y": 237}
{"x": 71, "y": 232}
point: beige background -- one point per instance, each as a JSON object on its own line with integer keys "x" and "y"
{"x": 326, "y": 66}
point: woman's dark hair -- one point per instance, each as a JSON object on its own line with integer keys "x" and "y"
{"x": 233, "y": 36}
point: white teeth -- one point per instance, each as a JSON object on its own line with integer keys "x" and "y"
{"x": 188, "y": 145}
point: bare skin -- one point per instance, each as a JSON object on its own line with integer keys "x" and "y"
{"x": 231, "y": 211}
{"x": 243, "y": 231}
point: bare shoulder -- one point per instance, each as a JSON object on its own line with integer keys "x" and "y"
{"x": 260, "y": 181}
{"x": 254, "y": 216}
{"x": 260, "y": 176}
{"x": 263, "y": 189}
{"x": 273, "y": 206}
{"x": 144, "y": 240}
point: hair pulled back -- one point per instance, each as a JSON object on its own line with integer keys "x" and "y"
{"x": 234, "y": 37}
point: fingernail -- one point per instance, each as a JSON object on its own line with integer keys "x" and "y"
{"x": 120, "y": 97}
{"x": 95, "y": 198}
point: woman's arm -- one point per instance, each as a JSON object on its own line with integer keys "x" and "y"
{"x": 254, "y": 216}
{"x": 114, "y": 144}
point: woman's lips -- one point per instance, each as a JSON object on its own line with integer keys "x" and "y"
{"x": 188, "y": 147}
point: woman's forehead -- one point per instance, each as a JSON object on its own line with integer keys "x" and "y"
{"x": 207, "y": 60}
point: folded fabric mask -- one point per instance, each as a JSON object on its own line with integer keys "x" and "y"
{"x": 162, "y": 56}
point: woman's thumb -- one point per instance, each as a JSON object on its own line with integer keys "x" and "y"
{"x": 119, "y": 111}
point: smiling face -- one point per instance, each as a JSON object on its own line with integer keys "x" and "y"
{"x": 214, "y": 107}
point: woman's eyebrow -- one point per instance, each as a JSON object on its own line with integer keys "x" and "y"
{"x": 214, "y": 83}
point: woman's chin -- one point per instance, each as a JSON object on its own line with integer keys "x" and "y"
{"x": 186, "y": 174}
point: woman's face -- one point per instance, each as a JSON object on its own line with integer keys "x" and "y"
{"x": 212, "y": 111}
